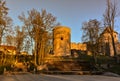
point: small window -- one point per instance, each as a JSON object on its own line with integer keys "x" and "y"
{"x": 61, "y": 38}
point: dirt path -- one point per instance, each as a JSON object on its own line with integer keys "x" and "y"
{"x": 41, "y": 77}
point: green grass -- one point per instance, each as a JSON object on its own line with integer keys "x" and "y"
{"x": 105, "y": 60}
{"x": 115, "y": 69}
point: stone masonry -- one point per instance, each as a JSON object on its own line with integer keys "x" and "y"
{"x": 61, "y": 41}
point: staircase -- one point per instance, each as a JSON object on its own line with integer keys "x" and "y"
{"x": 69, "y": 67}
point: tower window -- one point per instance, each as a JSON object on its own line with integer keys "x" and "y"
{"x": 61, "y": 38}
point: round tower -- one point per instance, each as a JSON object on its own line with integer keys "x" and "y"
{"x": 61, "y": 41}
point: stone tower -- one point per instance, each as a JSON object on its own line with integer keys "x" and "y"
{"x": 61, "y": 41}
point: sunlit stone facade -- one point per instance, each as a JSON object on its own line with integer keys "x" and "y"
{"x": 11, "y": 50}
{"x": 78, "y": 46}
{"x": 105, "y": 40}
{"x": 61, "y": 41}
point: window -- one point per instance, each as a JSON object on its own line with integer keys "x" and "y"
{"x": 61, "y": 38}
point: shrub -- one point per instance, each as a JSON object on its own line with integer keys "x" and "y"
{"x": 8, "y": 67}
{"x": 1, "y": 69}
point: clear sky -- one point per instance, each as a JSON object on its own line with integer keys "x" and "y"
{"x": 71, "y": 13}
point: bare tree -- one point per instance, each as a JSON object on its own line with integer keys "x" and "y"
{"x": 27, "y": 44}
{"x": 19, "y": 39}
{"x": 109, "y": 20}
{"x": 10, "y": 40}
{"x": 5, "y": 21}
{"x": 39, "y": 26}
{"x": 91, "y": 34}
{"x": 110, "y": 14}
{"x": 91, "y": 31}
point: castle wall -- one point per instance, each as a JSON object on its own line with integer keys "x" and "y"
{"x": 79, "y": 46}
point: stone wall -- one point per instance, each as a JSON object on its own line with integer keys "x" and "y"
{"x": 78, "y": 46}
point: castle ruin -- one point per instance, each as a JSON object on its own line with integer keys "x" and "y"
{"x": 61, "y": 41}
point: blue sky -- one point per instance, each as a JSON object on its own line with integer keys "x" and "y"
{"x": 71, "y": 13}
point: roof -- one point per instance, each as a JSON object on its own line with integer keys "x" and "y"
{"x": 107, "y": 30}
